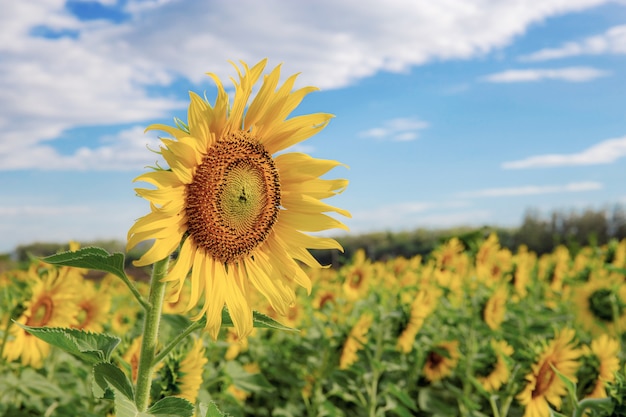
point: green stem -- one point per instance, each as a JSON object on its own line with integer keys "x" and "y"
{"x": 376, "y": 372}
{"x": 150, "y": 334}
{"x": 136, "y": 293}
{"x": 494, "y": 406}
{"x": 167, "y": 349}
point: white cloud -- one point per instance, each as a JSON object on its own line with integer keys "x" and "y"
{"x": 105, "y": 74}
{"x": 572, "y": 187}
{"x": 128, "y": 150}
{"x": 605, "y": 152}
{"x": 573, "y": 74}
{"x": 613, "y": 41}
{"x": 399, "y": 130}
{"x": 412, "y": 214}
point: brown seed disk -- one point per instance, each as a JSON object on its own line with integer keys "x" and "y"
{"x": 233, "y": 200}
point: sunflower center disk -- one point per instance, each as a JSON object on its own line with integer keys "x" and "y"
{"x": 234, "y": 198}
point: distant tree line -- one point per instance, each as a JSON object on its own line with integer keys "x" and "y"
{"x": 540, "y": 233}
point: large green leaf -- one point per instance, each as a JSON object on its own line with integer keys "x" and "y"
{"x": 90, "y": 258}
{"x": 210, "y": 410}
{"x": 109, "y": 377}
{"x": 172, "y": 407}
{"x": 89, "y": 347}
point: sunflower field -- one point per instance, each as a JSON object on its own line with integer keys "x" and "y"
{"x": 470, "y": 330}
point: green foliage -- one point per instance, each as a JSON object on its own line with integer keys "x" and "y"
{"x": 89, "y": 347}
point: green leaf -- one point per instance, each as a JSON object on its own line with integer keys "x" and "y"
{"x": 438, "y": 402}
{"x": 210, "y": 410}
{"x": 108, "y": 376}
{"x": 172, "y": 407}
{"x": 89, "y": 347}
{"x": 125, "y": 407}
{"x": 262, "y": 321}
{"x": 246, "y": 381}
{"x": 91, "y": 258}
{"x": 403, "y": 397}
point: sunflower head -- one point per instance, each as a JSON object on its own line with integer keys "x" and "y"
{"x": 236, "y": 211}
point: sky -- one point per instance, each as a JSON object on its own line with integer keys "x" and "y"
{"x": 447, "y": 113}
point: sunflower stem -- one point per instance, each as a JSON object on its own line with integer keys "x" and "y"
{"x": 167, "y": 349}
{"x": 150, "y": 334}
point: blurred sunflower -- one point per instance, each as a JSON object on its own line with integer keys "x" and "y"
{"x": 523, "y": 264}
{"x": 355, "y": 341}
{"x": 53, "y": 303}
{"x": 601, "y": 361}
{"x": 235, "y": 345}
{"x": 496, "y": 373}
{"x": 358, "y": 275}
{"x": 544, "y": 387}
{"x": 188, "y": 372}
{"x": 441, "y": 360}
{"x": 424, "y": 303}
{"x": 600, "y": 305}
{"x": 495, "y": 308}
{"x": 130, "y": 358}
{"x": 93, "y": 308}
{"x": 450, "y": 255}
{"x": 237, "y": 212}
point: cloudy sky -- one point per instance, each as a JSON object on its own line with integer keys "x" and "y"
{"x": 447, "y": 113}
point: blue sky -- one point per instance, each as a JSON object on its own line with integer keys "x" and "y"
{"x": 456, "y": 112}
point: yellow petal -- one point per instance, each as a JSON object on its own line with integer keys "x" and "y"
{"x": 310, "y": 222}
{"x": 238, "y": 307}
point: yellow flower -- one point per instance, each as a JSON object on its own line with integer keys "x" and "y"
{"x": 543, "y": 386}
{"x": 599, "y": 305}
{"x": 235, "y": 345}
{"x": 424, "y": 303}
{"x": 237, "y": 212}
{"x": 605, "y": 351}
{"x": 355, "y": 341}
{"x": 524, "y": 262}
{"x": 93, "y": 308}
{"x": 499, "y": 373}
{"x": 53, "y": 304}
{"x": 131, "y": 357}
{"x": 189, "y": 375}
{"x": 495, "y": 308}
{"x": 357, "y": 276}
{"x": 441, "y": 360}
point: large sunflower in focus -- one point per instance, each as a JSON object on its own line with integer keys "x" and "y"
{"x": 236, "y": 211}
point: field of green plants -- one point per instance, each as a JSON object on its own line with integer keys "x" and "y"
{"x": 468, "y": 330}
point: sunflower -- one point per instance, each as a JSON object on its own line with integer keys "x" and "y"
{"x": 355, "y": 341}
{"x": 235, "y": 345}
{"x": 499, "y": 372}
{"x": 601, "y": 360}
{"x": 357, "y": 276}
{"x": 600, "y": 304}
{"x": 523, "y": 264}
{"x": 495, "y": 308}
{"x": 441, "y": 360}
{"x": 53, "y": 303}
{"x": 93, "y": 308}
{"x": 237, "y": 212}
{"x": 424, "y": 303}
{"x": 189, "y": 372}
{"x": 544, "y": 387}
{"x": 130, "y": 358}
